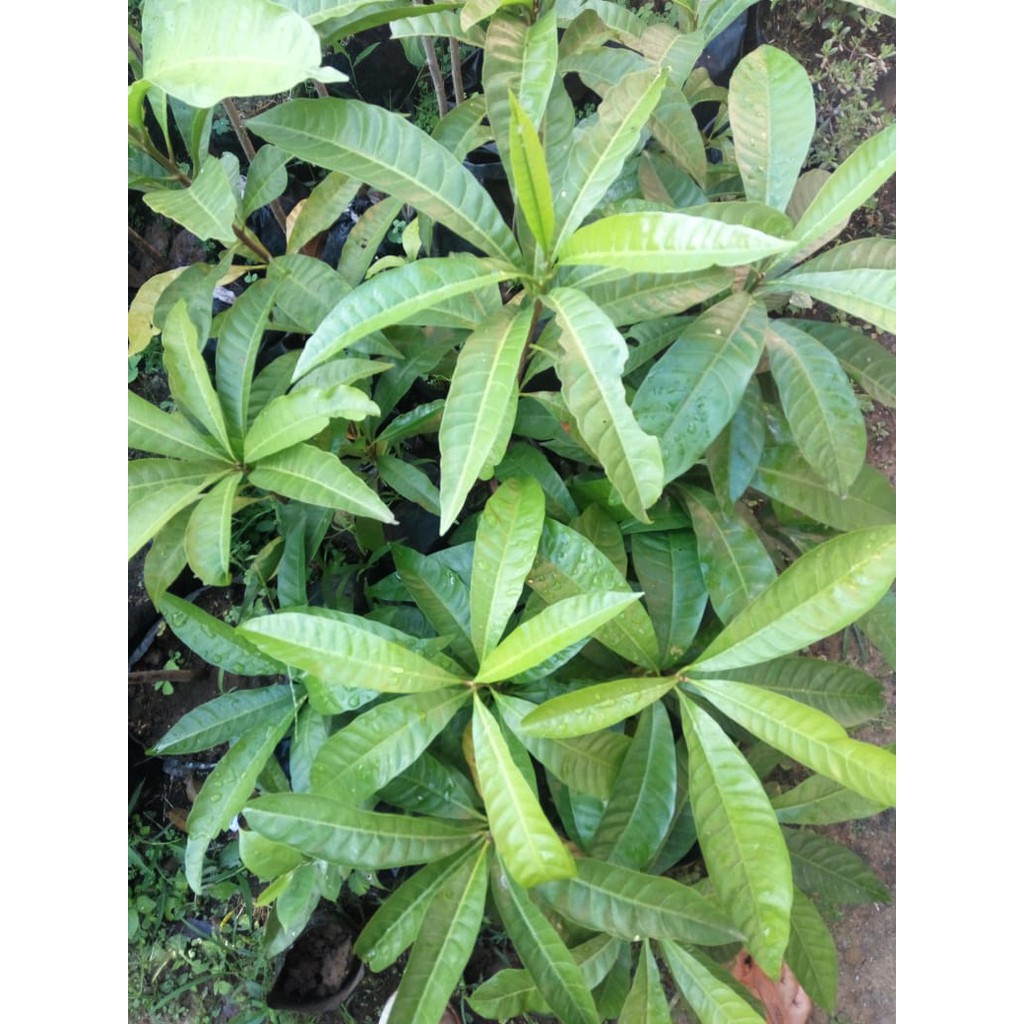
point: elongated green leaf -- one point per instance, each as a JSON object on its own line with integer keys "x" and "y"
{"x": 344, "y": 835}
{"x": 675, "y": 127}
{"x": 445, "y": 943}
{"x": 807, "y": 735}
{"x": 633, "y": 905}
{"x": 398, "y": 920}
{"x": 821, "y": 801}
{"x": 552, "y": 967}
{"x": 522, "y": 460}
{"x": 740, "y": 839}
{"x": 635, "y": 298}
{"x": 483, "y": 385}
{"x": 522, "y": 835}
{"x": 224, "y": 718}
{"x": 316, "y": 477}
{"x": 152, "y": 430}
{"x": 202, "y": 53}
{"x": 307, "y": 290}
{"x": 410, "y": 482}
{"x": 712, "y": 999}
{"x": 433, "y": 786}
{"x": 374, "y": 145}
{"x": 551, "y": 630}
{"x": 870, "y": 364}
{"x": 361, "y": 758}
{"x": 879, "y": 625}
{"x": 530, "y": 176}
{"x": 666, "y": 243}
{"x": 640, "y": 810}
{"x": 598, "y": 152}
{"x": 823, "y": 591}
{"x": 165, "y": 560}
{"x": 326, "y": 203}
{"x": 187, "y": 375}
{"x": 590, "y": 368}
{"x": 693, "y": 391}
{"x": 819, "y": 404}
{"x": 733, "y": 456}
{"x": 391, "y": 297}
{"x": 646, "y": 1002}
{"x": 786, "y": 477}
{"x": 207, "y": 207}
{"x": 568, "y": 564}
{"x": 827, "y": 869}
{"x": 227, "y": 789}
{"x": 506, "y": 545}
{"x": 350, "y": 654}
{"x": 812, "y": 953}
{"x": 736, "y": 566}
{"x": 771, "y": 109}
{"x": 266, "y": 180}
{"x": 266, "y": 859}
{"x": 208, "y": 534}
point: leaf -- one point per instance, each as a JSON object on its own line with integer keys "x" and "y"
{"x": 646, "y": 1002}
{"x": 820, "y": 801}
{"x": 224, "y": 718}
{"x": 522, "y": 460}
{"x": 694, "y": 390}
{"x": 265, "y": 859}
{"x": 831, "y": 871}
{"x": 632, "y": 905}
{"x": 870, "y": 364}
{"x": 141, "y": 329}
{"x": 880, "y": 627}
{"x": 366, "y": 754}
{"x": 483, "y": 385}
{"x": 786, "y": 477}
{"x": 712, "y": 1000}
{"x": 165, "y": 560}
{"x": 771, "y": 109}
{"x": 807, "y": 735}
{"x": 823, "y": 591}
{"x": 432, "y": 786}
{"x": 812, "y": 953}
{"x": 505, "y": 547}
{"x": 326, "y": 204}
{"x": 202, "y": 53}
{"x": 382, "y": 149}
{"x": 208, "y": 534}
{"x": 732, "y": 458}
{"x": 735, "y": 564}
{"x": 207, "y": 208}
{"x": 740, "y": 838}
{"x": 316, "y": 477}
{"x": 590, "y": 369}
{"x": 666, "y": 243}
{"x": 307, "y": 290}
{"x": 343, "y": 652}
{"x": 520, "y": 829}
{"x": 530, "y": 176}
{"x": 410, "y": 482}
{"x": 445, "y": 943}
{"x": 642, "y": 803}
{"x": 152, "y": 430}
{"x": 819, "y": 404}
{"x": 266, "y": 180}
{"x": 551, "y": 966}
{"x": 227, "y": 788}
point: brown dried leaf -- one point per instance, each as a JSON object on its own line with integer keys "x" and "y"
{"x": 178, "y": 817}
{"x": 785, "y": 1001}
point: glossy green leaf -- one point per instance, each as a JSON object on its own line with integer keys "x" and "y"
{"x": 384, "y": 150}
{"x": 812, "y": 953}
{"x": 635, "y": 298}
{"x": 227, "y": 789}
{"x": 735, "y": 564}
{"x": 410, "y": 482}
{"x": 522, "y": 460}
{"x": 326, "y": 204}
{"x": 823, "y": 591}
{"x": 733, "y": 457}
{"x": 306, "y": 290}
{"x": 165, "y": 560}
{"x": 215, "y": 641}
{"x": 646, "y": 1002}
{"x": 316, "y": 477}
{"x": 350, "y": 654}
{"x": 364, "y": 755}
{"x": 506, "y": 545}
{"x": 590, "y": 369}
{"x": 152, "y": 430}
{"x": 202, "y": 53}
{"x": 807, "y": 735}
{"x": 786, "y": 477}
{"x": 446, "y": 941}
{"x": 266, "y": 179}
{"x": 632, "y": 905}
{"x": 530, "y": 176}
{"x": 599, "y": 527}
{"x": 869, "y": 363}
{"x": 208, "y": 534}
{"x": 675, "y": 127}
{"x": 642, "y": 802}
{"x": 666, "y": 243}
{"x": 712, "y": 1000}
{"x": 821, "y": 801}
{"x": 310, "y": 734}
{"x": 522, "y": 834}
{"x": 398, "y": 920}
{"x": 271, "y": 382}
{"x": 207, "y": 208}
{"x": 433, "y": 786}
{"x": 267, "y": 860}
{"x": 224, "y": 718}
{"x": 740, "y": 839}
{"x": 550, "y": 964}
{"x": 880, "y": 627}
{"x": 819, "y": 404}
{"x": 483, "y": 385}
{"x": 694, "y": 390}
{"x": 771, "y": 109}
{"x": 832, "y": 871}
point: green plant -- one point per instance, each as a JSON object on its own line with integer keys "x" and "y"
{"x": 652, "y": 494}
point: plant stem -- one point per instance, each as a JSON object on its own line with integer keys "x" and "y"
{"x": 457, "y": 86}
{"x": 320, "y": 89}
{"x": 149, "y": 249}
{"x": 251, "y": 242}
{"x": 435, "y": 75}
{"x": 247, "y": 147}
{"x": 159, "y": 675}
{"x": 145, "y": 143}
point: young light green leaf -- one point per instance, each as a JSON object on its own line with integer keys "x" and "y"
{"x": 207, "y": 208}
{"x": 411, "y": 482}
{"x": 646, "y": 1002}
{"x": 530, "y": 176}
{"x": 635, "y": 298}
{"x": 522, "y": 834}
{"x": 590, "y": 368}
{"x": 267, "y": 860}
{"x": 208, "y": 534}
{"x": 152, "y": 430}
{"x": 823, "y": 591}
{"x": 165, "y": 560}
{"x": 332, "y": 649}
{"x": 266, "y": 180}
{"x": 152, "y": 505}
{"x": 381, "y": 148}
{"x": 227, "y": 789}
{"x": 740, "y": 839}
{"x": 316, "y": 477}
{"x": 694, "y": 390}
{"x": 712, "y": 1000}
{"x": 771, "y": 109}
